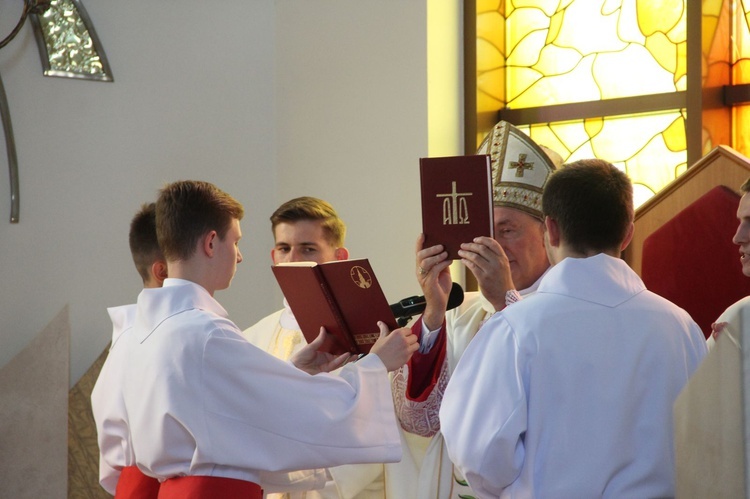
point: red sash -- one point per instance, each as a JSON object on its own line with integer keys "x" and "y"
{"x": 133, "y": 484}
{"x": 204, "y": 487}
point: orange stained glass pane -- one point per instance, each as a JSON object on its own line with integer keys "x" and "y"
{"x": 741, "y": 139}
{"x": 741, "y": 66}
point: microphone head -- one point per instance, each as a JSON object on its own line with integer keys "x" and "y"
{"x": 456, "y": 296}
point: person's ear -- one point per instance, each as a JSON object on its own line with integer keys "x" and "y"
{"x": 209, "y": 241}
{"x": 341, "y": 253}
{"x": 553, "y": 231}
{"x": 628, "y": 236}
{"x": 273, "y": 256}
{"x": 159, "y": 271}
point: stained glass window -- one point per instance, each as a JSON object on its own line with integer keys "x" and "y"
{"x": 624, "y": 59}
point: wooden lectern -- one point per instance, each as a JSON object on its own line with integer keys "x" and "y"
{"x": 721, "y": 166}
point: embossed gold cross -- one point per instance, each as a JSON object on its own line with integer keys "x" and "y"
{"x": 521, "y": 165}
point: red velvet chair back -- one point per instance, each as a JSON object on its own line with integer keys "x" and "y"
{"x": 692, "y": 261}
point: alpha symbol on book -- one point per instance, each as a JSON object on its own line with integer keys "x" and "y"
{"x": 455, "y": 207}
{"x": 521, "y": 165}
{"x": 361, "y": 277}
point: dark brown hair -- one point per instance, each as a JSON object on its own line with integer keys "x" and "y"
{"x": 592, "y": 202}
{"x": 144, "y": 246}
{"x": 187, "y": 210}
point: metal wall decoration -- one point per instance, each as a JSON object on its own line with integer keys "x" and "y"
{"x": 67, "y": 41}
{"x": 10, "y": 147}
{"x": 68, "y": 47}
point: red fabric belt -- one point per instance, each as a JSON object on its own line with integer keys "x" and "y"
{"x": 209, "y": 487}
{"x": 133, "y": 484}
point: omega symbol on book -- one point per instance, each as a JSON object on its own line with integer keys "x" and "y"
{"x": 455, "y": 207}
{"x": 361, "y": 277}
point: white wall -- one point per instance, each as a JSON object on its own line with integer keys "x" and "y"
{"x": 352, "y": 121}
{"x": 268, "y": 99}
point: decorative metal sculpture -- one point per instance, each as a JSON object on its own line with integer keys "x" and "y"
{"x": 69, "y": 48}
{"x": 67, "y": 41}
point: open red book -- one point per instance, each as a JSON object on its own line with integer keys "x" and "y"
{"x": 343, "y": 296}
{"x": 456, "y": 200}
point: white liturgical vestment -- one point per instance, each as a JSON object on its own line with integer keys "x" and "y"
{"x": 569, "y": 392}
{"x": 107, "y": 405}
{"x": 203, "y": 401}
{"x": 426, "y": 456}
{"x": 279, "y": 334}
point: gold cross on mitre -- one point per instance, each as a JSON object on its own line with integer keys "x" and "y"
{"x": 521, "y": 165}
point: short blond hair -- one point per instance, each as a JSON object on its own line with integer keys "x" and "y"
{"x": 310, "y": 208}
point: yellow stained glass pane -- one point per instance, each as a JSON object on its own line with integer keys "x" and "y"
{"x": 526, "y": 52}
{"x": 568, "y": 51}
{"x": 627, "y": 25}
{"x": 593, "y": 126}
{"x": 491, "y": 28}
{"x": 488, "y": 56}
{"x": 663, "y": 50}
{"x": 674, "y": 135}
{"x": 611, "y": 32}
{"x": 492, "y": 83}
{"x": 573, "y": 86}
{"x": 615, "y": 76}
{"x": 656, "y": 16}
{"x": 599, "y": 34}
{"x": 557, "y": 60}
{"x": 645, "y": 156}
{"x": 489, "y": 5}
{"x": 523, "y": 23}
{"x": 549, "y": 7}
{"x": 680, "y": 75}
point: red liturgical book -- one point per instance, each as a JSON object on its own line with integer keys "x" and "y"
{"x": 343, "y": 296}
{"x": 456, "y": 200}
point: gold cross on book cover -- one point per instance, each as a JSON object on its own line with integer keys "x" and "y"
{"x": 456, "y": 200}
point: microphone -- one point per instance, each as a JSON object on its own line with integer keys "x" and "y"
{"x": 409, "y": 307}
